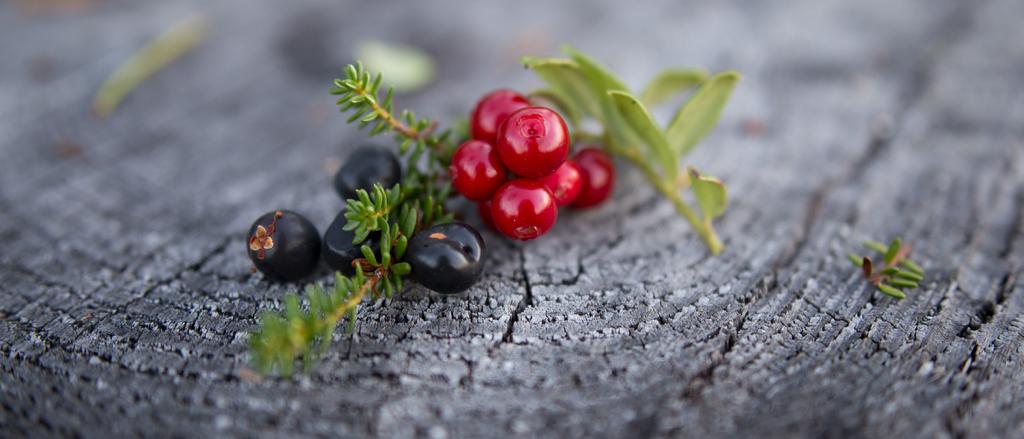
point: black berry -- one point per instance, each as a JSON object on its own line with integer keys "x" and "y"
{"x": 364, "y": 167}
{"x": 446, "y": 258}
{"x": 284, "y": 245}
{"x": 338, "y": 250}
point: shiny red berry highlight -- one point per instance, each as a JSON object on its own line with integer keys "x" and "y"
{"x": 476, "y": 170}
{"x": 492, "y": 110}
{"x": 533, "y": 142}
{"x": 565, "y": 183}
{"x": 598, "y": 173}
{"x": 523, "y": 209}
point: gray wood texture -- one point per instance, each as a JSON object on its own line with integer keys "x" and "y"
{"x": 126, "y": 295}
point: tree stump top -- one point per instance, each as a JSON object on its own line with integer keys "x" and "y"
{"x": 126, "y": 295}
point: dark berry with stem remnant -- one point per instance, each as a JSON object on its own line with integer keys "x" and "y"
{"x": 364, "y": 167}
{"x": 492, "y": 110}
{"x": 598, "y": 173}
{"x": 565, "y": 183}
{"x": 447, "y": 258}
{"x": 284, "y": 245}
{"x": 476, "y": 170}
{"x": 533, "y": 142}
{"x": 338, "y": 250}
{"x": 523, "y": 209}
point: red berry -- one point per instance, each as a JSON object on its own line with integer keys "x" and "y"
{"x": 492, "y": 110}
{"x": 484, "y": 209}
{"x": 598, "y": 177}
{"x": 476, "y": 170}
{"x": 533, "y": 142}
{"x": 523, "y": 209}
{"x": 565, "y": 183}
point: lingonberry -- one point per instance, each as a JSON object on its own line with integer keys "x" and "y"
{"x": 523, "y": 209}
{"x": 476, "y": 170}
{"x": 565, "y": 183}
{"x": 447, "y": 258}
{"x": 364, "y": 167}
{"x": 338, "y": 249}
{"x": 492, "y": 110}
{"x": 598, "y": 173}
{"x": 533, "y": 142}
{"x": 284, "y": 245}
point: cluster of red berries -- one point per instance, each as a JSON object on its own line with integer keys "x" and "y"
{"x": 517, "y": 166}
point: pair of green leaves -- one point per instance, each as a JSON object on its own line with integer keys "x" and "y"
{"x": 582, "y": 88}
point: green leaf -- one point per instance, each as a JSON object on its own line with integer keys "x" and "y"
{"x": 565, "y": 77}
{"x": 891, "y": 252}
{"x": 407, "y": 68}
{"x": 892, "y": 292}
{"x": 855, "y": 259}
{"x": 401, "y": 268}
{"x": 909, "y": 275}
{"x": 671, "y": 82}
{"x": 368, "y": 254}
{"x": 903, "y": 283}
{"x": 602, "y": 81}
{"x": 400, "y": 246}
{"x": 876, "y": 246}
{"x": 640, "y": 120}
{"x": 912, "y": 266}
{"x": 698, "y": 116}
{"x": 595, "y": 72}
{"x": 710, "y": 193}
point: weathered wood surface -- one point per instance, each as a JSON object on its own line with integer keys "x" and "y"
{"x": 126, "y": 296}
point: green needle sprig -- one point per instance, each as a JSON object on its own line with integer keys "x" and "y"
{"x": 897, "y": 272}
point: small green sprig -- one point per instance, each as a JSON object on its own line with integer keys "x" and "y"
{"x": 581, "y": 88}
{"x": 898, "y": 271}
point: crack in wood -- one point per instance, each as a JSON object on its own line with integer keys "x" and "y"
{"x": 525, "y": 301}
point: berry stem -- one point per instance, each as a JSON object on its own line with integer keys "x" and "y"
{"x": 670, "y": 189}
{"x": 703, "y": 228}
